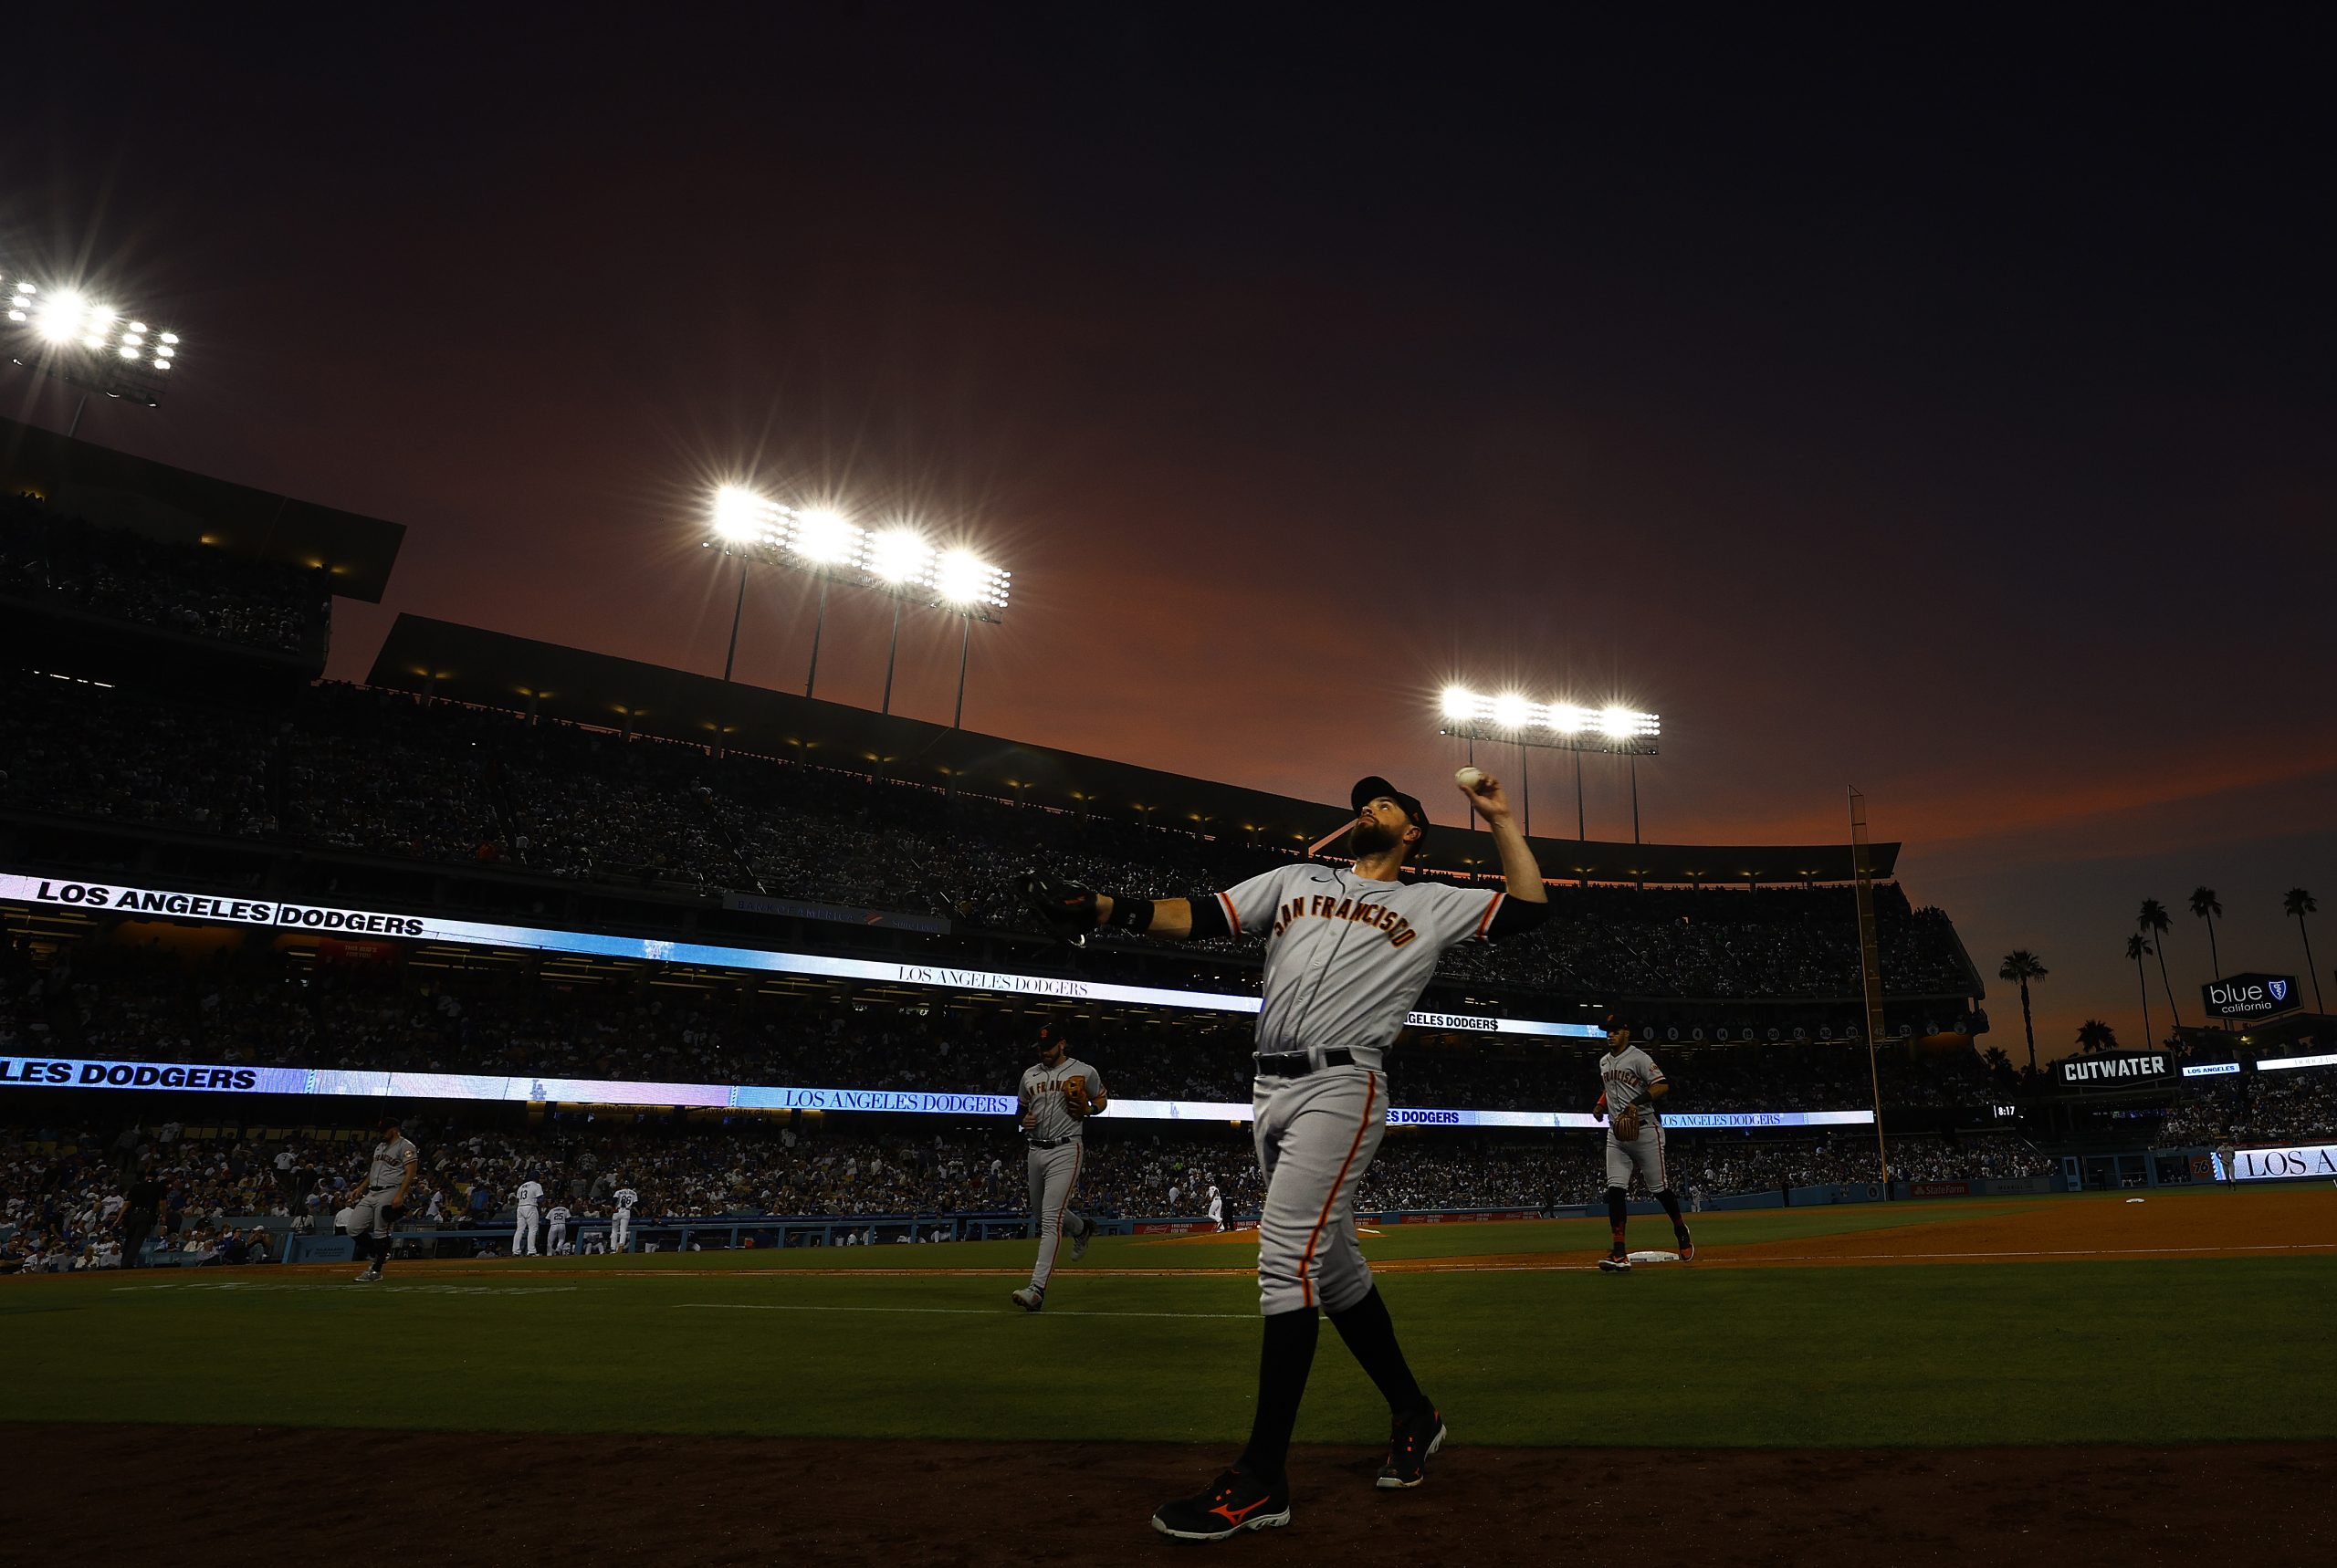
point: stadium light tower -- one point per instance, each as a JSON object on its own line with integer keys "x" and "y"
{"x": 899, "y": 562}
{"x": 89, "y": 345}
{"x": 1523, "y": 722}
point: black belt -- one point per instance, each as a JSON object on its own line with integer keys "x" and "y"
{"x": 1050, "y": 1142}
{"x": 1299, "y": 1063}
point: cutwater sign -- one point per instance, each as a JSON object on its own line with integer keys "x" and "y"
{"x": 2122, "y": 1070}
{"x": 2250, "y": 996}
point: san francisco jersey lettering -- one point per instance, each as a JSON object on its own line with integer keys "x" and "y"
{"x": 1628, "y": 1075}
{"x": 1346, "y": 958}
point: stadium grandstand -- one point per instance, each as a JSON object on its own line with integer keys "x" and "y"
{"x": 595, "y": 921}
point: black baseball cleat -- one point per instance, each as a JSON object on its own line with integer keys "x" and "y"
{"x": 1235, "y": 1502}
{"x": 1687, "y": 1246}
{"x": 1411, "y": 1440}
{"x": 1615, "y": 1263}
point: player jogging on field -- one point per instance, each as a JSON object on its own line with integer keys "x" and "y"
{"x": 621, "y": 1219}
{"x": 1633, "y": 1084}
{"x": 378, "y": 1204}
{"x": 556, "y": 1236}
{"x": 1057, "y": 1095}
{"x": 1348, "y": 952}
{"x": 1216, "y": 1209}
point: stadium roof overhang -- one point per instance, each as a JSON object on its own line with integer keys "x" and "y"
{"x": 116, "y": 490}
{"x": 494, "y": 669}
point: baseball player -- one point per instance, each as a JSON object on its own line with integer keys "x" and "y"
{"x": 1058, "y": 1093}
{"x": 1634, "y": 1142}
{"x": 621, "y": 1219}
{"x": 1349, "y": 952}
{"x": 523, "y": 1239}
{"x": 1216, "y": 1209}
{"x": 379, "y": 1202}
{"x": 556, "y": 1238}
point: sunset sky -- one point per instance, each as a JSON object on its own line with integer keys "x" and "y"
{"x": 1948, "y": 417}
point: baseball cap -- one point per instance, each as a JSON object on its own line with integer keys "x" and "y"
{"x": 1374, "y": 788}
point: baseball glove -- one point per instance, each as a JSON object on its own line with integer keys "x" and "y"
{"x": 1074, "y": 1096}
{"x": 1064, "y": 908}
{"x": 1627, "y": 1124}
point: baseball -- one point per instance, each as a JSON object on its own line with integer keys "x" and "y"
{"x": 1469, "y": 778}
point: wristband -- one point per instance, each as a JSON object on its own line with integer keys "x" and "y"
{"x": 1131, "y": 914}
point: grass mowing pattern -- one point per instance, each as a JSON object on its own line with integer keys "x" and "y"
{"x": 1853, "y": 1357}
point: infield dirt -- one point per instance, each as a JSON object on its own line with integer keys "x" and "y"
{"x": 242, "y": 1496}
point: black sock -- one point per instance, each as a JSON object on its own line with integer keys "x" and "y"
{"x": 1370, "y": 1334}
{"x": 1616, "y": 1214}
{"x": 381, "y": 1252}
{"x": 1670, "y": 1201}
{"x": 1284, "y": 1358}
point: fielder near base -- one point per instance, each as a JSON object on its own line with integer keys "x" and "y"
{"x": 1348, "y": 952}
{"x": 1632, "y": 1083}
{"x": 1057, "y": 1095}
{"x": 621, "y": 1219}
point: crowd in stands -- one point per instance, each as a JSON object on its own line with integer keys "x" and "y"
{"x": 2291, "y": 1107}
{"x": 255, "y": 1005}
{"x": 65, "y": 1196}
{"x": 380, "y": 773}
{"x": 46, "y": 554}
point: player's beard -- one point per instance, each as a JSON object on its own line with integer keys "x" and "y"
{"x": 1370, "y": 837}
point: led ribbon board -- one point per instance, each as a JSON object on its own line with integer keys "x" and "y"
{"x": 331, "y": 921}
{"x": 62, "y": 1072}
{"x": 2290, "y": 1162}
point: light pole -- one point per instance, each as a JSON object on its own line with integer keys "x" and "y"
{"x": 738, "y": 608}
{"x": 899, "y": 562}
{"x": 62, "y": 332}
{"x": 1554, "y": 726}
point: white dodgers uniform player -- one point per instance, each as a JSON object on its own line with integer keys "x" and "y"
{"x": 556, "y": 1237}
{"x": 621, "y": 1219}
{"x": 1348, "y": 953}
{"x": 1216, "y": 1209}
{"x": 1057, "y": 1094}
{"x": 1629, "y": 1085}
{"x": 374, "y": 1209}
{"x": 523, "y": 1239}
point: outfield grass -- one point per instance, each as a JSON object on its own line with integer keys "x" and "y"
{"x": 1944, "y": 1354}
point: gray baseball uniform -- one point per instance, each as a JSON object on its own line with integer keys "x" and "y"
{"x": 370, "y": 1211}
{"x": 523, "y": 1235}
{"x": 1346, "y": 959}
{"x": 1628, "y": 1075}
{"x": 1057, "y": 1146}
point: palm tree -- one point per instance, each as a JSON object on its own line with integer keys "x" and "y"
{"x": 2021, "y": 967}
{"x": 1999, "y": 1066}
{"x": 2154, "y": 922}
{"x": 2206, "y": 907}
{"x": 2093, "y": 1035}
{"x": 2299, "y": 904}
{"x": 2137, "y": 949}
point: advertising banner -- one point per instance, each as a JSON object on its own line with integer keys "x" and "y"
{"x": 115, "y": 898}
{"x": 2249, "y": 995}
{"x": 60, "y": 1072}
{"x": 2293, "y": 1163}
{"x": 2116, "y": 1070}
